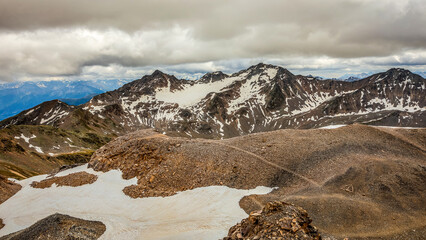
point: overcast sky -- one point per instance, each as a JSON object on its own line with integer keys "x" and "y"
{"x": 104, "y": 39}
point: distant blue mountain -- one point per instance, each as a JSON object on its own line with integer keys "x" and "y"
{"x": 77, "y": 101}
{"x": 423, "y": 74}
{"x": 18, "y": 96}
{"x": 355, "y": 77}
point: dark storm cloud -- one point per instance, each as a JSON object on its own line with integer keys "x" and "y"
{"x": 61, "y": 37}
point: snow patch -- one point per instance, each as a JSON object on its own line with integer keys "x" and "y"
{"x": 38, "y": 149}
{"x": 191, "y": 95}
{"x": 249, "y": 90}
{"x": 29, "y": 112}
{"x": 332, "y": 127}
{"x": 201, "y": 213}
{"x": 26, "y": 139}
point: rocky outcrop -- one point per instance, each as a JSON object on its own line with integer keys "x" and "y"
{"x": 277, "y": 220}
{"x": 213, "y": 77}
{"x": 59, "y": 226}
{"x": 72, "y": 180}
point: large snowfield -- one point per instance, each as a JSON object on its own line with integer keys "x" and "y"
{"x": 201, "y": 213}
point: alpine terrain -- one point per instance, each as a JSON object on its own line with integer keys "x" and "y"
{"x": 260, "y": 98}
{"x": 257, "y": 154}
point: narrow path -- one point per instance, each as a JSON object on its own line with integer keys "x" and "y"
{"x": 247, "y": 152}
{"x": 266, "y": 161}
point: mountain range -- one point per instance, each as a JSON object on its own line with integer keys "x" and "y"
{"x": 261, "y": 98}
{"x": 355, "y": 77}
{"x": 18, "y": 96}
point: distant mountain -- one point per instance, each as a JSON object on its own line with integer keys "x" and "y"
{"x": 258, "y": 99}
{"x": 310, "y": 77}
{"x": 77, "y": 101}
{"x": 354, "y": 77}
{"x": 423, "y": 74}
{"x": 18, "y": 96}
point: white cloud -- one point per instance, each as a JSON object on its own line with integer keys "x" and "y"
{"x": 59, "y": 39}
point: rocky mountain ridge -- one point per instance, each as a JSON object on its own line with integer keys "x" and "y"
{"x": 261, "y": 98}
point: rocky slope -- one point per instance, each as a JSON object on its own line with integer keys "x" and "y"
{"x": 7, "y": 189}
{"x": 260, "y": 98}
{"x": 355, "y": 181}
{"x": 59, "y": 226}
{"x": 31, "y": 150}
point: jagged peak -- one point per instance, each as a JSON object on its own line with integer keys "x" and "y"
{"x": 263, "y": 65}
{"x": 263, "y": 68}
{"x": 395, "y": 72}
{"x": 158, "y": 73}
{"x": 213, "y": 77}
{"x": 399, "y": 70}
{"x": 218, "y": 73}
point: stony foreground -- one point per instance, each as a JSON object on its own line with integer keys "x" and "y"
{"x": 277, "y": 220}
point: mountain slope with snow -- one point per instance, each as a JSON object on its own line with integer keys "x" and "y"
{"x": 260, "y": 98}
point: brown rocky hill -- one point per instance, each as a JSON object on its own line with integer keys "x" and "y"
{"x": 356, "y": 181}
{"x": 258, "y": 99}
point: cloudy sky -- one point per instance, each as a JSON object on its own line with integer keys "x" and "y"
{"x": 105, "y": 39}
